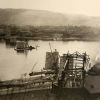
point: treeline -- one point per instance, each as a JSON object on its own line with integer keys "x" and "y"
{"x": 50, "y": 32}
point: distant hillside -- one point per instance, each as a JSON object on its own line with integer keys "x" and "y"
{"x": 41, "y": 18}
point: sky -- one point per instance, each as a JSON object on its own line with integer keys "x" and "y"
{"x": 85, "y": 7}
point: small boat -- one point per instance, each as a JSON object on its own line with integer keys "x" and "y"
{"x": 22, "y": 45}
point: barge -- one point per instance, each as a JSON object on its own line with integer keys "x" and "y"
{"x": 22, "y": 46}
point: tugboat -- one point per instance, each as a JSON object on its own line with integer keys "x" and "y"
{"x": 22, "y": 46}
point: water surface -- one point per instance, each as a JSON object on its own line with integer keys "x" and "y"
{"x": 13, "y": 64}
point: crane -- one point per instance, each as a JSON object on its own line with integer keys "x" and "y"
{"x": 31, "y": 73}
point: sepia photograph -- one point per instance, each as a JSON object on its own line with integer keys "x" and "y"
{"x": 49, "y": 49}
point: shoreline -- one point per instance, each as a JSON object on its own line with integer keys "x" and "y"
{"x": 48, "y": 39}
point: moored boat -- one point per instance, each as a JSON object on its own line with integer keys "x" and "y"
{"x": 22, "y": 45}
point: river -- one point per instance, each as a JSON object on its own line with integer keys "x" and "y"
{"x": 14, "y": 64}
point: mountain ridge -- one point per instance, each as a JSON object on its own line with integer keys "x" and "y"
{"x": 43, "y": 18}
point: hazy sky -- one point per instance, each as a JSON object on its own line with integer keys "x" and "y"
{"x": 87, "y": 7}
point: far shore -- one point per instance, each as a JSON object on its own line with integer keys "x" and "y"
{"x": 14, "y": 38}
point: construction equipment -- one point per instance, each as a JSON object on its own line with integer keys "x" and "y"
{"x": 73, "y": 73}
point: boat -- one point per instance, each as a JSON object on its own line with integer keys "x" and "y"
{"x": 22, "y": 46}
{"x": 63, "y": 78}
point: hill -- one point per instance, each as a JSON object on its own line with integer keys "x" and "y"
{"x": 42, "y": 18}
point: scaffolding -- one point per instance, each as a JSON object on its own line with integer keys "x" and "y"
{"x": 73, "y": 73}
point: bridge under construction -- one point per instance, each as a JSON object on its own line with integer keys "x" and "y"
{"x": 65, "y": 77}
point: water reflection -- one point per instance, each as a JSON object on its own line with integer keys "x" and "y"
{"x": 23, "y": 52}
{"x": 10, "y": 42}
{"x": 13, "y": 64}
